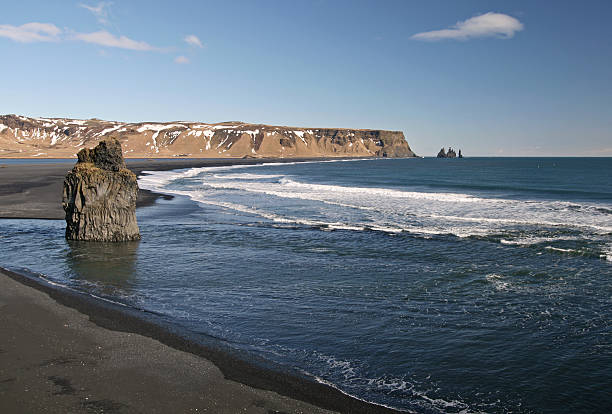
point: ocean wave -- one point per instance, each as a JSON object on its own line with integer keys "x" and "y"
{"x": 248, "y": 176}
{"x": 385, "y": 192}
{"x": 387, "y": 210}
{"x": 353, "y": 378}
{"x": 497, "y": 281}
{"x": 380, "y": 199}
{"x": 607, "y": 253}
{"x": 527, "y": 241}
{"x": 559, "y": 249}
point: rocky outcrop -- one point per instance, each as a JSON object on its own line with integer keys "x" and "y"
{"x": 62, "y": 138}
{"x": 448, "y": 154}
{"x": 100, "y": 196}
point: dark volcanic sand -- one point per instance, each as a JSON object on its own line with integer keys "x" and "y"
{"x": 54, "y": 359}
{"x": 62, "y": 351}
{"x": 34, "y": 191}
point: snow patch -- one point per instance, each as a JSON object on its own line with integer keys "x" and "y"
{"x": 53, "y": 139}
{"x": 222, "y": 142}
{"x": 158, "y": 127}
{"x": 76, "y": 122}
{"x": 301, "y": 135}
{"x": 107, "y": 130}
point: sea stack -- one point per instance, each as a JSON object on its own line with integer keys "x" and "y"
{"x": 450, "y": 154}
{"x": 100, "y": 196}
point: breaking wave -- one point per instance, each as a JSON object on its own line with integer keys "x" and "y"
{"x": 273, "y": 193}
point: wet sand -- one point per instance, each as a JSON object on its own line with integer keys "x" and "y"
{"x": 53, "y": 358}
{"x": 65, "y": 351}
{"x": 34, "y": 191}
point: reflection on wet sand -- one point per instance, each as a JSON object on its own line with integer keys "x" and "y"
{"x": 109, "y": 265}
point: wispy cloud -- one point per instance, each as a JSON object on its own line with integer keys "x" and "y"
{"x": 193, "y": 40}
{"x": 31, "y": 32}
{"x": 101, "y": 10}
{"x": 181, "y": 60}
{"x": 485, "y": 25}
{"x": 47, "y": 32}
{"x": 104, "y": 38}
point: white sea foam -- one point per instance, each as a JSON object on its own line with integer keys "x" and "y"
{"x": 530, "y": 241}
{"x": 558, "y": 249}
{"x": 497, "y": 281}
{"x": 384, "y": 192}
{"x": 247, "y": 176}
{"x": 607, "y": 252}
{"x": 387, "y": 210}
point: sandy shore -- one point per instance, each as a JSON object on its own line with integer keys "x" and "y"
{"x": 55, "y": 359}
{"x": 35, "y": 190}
{"x": 64, "y": 351}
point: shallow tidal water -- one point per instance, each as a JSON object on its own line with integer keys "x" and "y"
{"x": 435, "y": 286}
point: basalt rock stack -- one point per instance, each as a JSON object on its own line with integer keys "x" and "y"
{"x": 100, "y": 196}
{"x": 448, "y": 154}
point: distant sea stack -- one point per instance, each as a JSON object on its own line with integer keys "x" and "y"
{"x": 449, "y": 154}
{"x": 100, "y": 196}
{"x": 22, "y": 137}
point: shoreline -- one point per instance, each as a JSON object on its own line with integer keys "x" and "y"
{"x": 234, "y": 366}
{"x": 34, "y": 190}
{"x": 116, "y": 317}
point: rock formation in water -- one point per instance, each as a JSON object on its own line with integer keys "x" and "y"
{"x": 448, "y": 154}
{"x": 21, "y": 136}
{"x": 100, "y": 196}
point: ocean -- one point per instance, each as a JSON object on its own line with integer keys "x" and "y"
{"x": 428, "y": 285}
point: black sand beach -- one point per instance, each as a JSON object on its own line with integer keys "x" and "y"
{"x": 56, "y": 359}
{"x": 64, "y": 351}
{"x": 34, "y": 191}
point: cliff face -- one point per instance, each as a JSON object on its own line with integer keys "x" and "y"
{"x": 100, "y": 196}
{"x": 450, "y": 154}
{"x": 63, "y": 138}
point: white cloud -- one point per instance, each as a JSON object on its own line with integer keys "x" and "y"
{"x": 104, "y": 38}
{"x": 31, "y": 32}
{"x": 485, "y": 25}
{"x": 193, "y": 40}
{"x": 100, "y": 11}
{"x": 182, "y": 60}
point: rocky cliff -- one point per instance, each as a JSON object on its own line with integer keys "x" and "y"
{"x": 62, "y": 138}
{"x": 448, "y": 154}
{"x": 100, "y": 196}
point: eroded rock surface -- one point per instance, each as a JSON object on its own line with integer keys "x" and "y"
{"x": 100, "y": 196}
{"x": 448, "y": 154}
{"x": 21, "y": 136}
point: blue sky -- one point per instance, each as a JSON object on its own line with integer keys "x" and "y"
{"x": 489, "y": 77}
